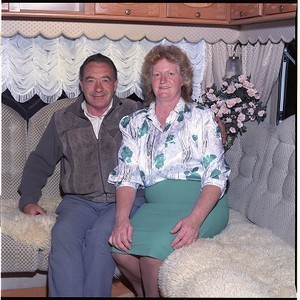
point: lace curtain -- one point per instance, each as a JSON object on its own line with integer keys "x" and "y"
{"x": 47, "y": 67}
{"x": 260, "y": 61}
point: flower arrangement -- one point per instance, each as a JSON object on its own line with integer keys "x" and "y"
{"x": 236, "y": 103}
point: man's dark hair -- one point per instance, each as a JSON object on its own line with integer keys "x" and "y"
{"x": 100, "y": 58}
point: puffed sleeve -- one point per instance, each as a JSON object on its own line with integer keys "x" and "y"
{"x": 216, "y": 169}
{"x": 127, "y": 172}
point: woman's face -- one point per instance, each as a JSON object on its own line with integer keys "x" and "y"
{"x": 166, "y": 81}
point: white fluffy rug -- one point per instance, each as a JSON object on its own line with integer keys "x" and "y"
{"x": 29, "y": 230}
{"x": 243, "y": 261}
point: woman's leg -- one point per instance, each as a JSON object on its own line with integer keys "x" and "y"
{"x": 129, "y": 266}
{"x": 149, "y": 269}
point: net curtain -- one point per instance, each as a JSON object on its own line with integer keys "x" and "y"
{"x": 48, "y": 66}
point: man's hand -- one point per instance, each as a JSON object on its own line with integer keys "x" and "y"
{"x": 223, "y": 129}
{"x": 34, "y": 209}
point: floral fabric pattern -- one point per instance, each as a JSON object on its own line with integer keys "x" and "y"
{"x": 189, "y": 147}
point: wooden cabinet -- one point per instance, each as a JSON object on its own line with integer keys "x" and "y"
{"x": 279, "y": 8}
{"x": 245, "y": 10}
{"x": 151, "y": 13}
{"x": 247, "y": 13}
{"x": 144, "y": 10}
{"x": 198, "y": 11}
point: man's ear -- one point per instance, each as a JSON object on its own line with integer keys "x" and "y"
{"x": 80, "y": 86}
{"x": 116, "y": 85}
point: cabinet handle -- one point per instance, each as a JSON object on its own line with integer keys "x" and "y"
{"x": 197, "y": 15}
{"x": 128, "y": 12}
{"x": 281, "y": 8}
{"x": 242, "y": 14}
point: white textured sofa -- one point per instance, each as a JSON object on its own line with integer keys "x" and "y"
{"x": 254, "y": 256}
{"x": 25, "y": 240}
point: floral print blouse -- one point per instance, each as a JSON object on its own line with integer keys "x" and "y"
{"x": 189, "y": 147}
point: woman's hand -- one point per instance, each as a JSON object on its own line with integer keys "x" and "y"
{"x": 121, "y": 236}
{"x": 187, "y": 230}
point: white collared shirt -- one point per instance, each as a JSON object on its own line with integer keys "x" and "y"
{"x": 95, "y": 120}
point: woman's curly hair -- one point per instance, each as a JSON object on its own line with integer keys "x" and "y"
{"x": 172, "y": 54}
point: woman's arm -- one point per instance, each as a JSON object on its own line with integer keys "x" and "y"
{"x": 223, "y": 129}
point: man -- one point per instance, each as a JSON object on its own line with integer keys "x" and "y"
{"x": 85, "y": 138}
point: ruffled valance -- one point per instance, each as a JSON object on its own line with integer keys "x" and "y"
{"x": 47, "y": 67}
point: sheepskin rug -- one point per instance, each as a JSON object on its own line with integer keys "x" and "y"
{"x": 29, "y": 230}
{"x": 243, "y": 261}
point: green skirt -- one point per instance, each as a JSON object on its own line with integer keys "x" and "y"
{"x": 166, "y": 203}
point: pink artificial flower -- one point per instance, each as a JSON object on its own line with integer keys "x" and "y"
{"x": 231, "y": 102}
{"x": 241, "y": 117}
{"x": 214, "y": 108}
{"x": 248, "y": 85}
{"x": 232, "y": 130}
{"x": 251, "y": 92}
{"x": 251, "y": 111}
{"x": 231, "y": 89}
{"x": 261, "y": 113}
{"x": 212, "y": 97}
{"x": 239, "y": 124}
{"x": 242, "y": 78}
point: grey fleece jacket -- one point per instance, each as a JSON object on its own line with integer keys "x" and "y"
{"x": 85, "y": 160}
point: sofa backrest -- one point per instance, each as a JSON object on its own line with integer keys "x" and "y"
{"x": 36, "y": 127}
{"x": 272, "y": 202}
{"x": 13, "y": 154}
{"x": 262, "y": 181}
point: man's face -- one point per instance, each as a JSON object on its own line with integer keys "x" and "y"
{"x": 98, "y": 85}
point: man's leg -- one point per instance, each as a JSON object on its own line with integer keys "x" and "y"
{"x": 65, "y": 276}
{"x": 99, "y": 265}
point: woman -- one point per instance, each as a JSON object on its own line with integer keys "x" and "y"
{"x": 174, "y": 150}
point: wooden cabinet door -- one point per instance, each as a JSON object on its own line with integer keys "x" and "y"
{"x": 130, "y": 9}
{"x": 197, "y": 11}
{"x": 245, "y": 10}
{"x": 279, "y": 8}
